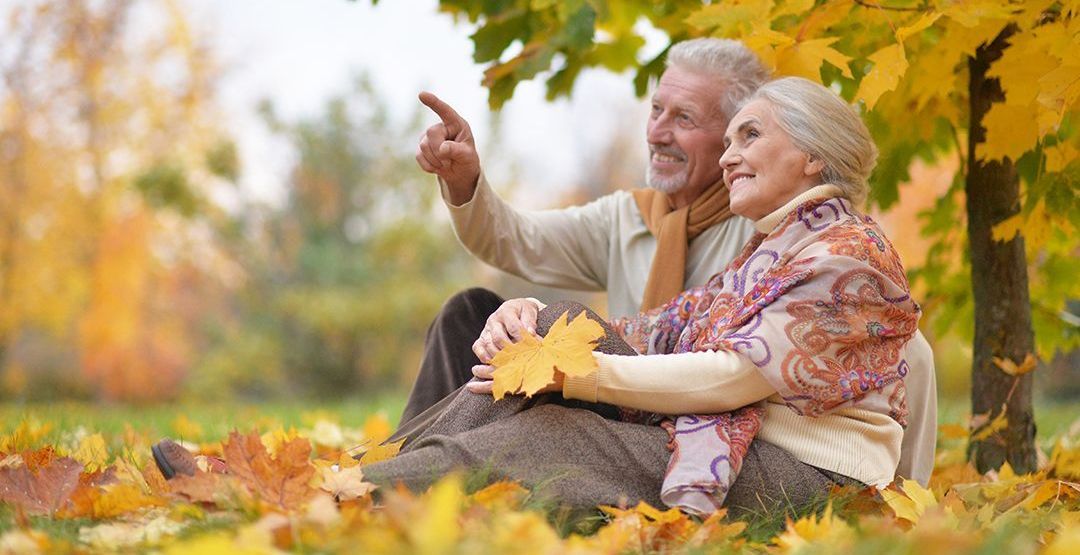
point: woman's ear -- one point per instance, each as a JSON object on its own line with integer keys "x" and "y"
{"x": 814, "y": 165}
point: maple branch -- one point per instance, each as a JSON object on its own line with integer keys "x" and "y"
{"x": 867, "y": 4}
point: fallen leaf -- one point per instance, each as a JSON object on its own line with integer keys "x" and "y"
{"x": 826, "y": 529}
{"x": 522, "y": 532}
{"x": 529, "y": 365}
{"x": 150, "y": 528}
{"x": 505, "y": 494}
{"x": 39, "y": 458}
{"x": 345, "y": 484}
{"x": 92, "y": 453}
{"x": 322, "y": 510}
{"x": 436, "y": 529}
{"x": 114, "y": 500}
{"x": 909, "y": 501}
{"x": 381, "y": 452}
{"x": 199, "y": 488}
{"x": 715, "y": 529}
{"x": 1066, "y": 543}
{"x": 41, "y": 492}
{"x": 280, "y": 481}
{"x": 25, "y": 542}
{"x": 12, "y": 461}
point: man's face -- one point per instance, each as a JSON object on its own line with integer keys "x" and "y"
{"x": 685, "y": 135}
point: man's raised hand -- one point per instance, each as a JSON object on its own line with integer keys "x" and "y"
{"x": 447, "y": 149}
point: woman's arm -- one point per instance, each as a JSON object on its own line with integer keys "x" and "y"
{"x": 686, "y": 383}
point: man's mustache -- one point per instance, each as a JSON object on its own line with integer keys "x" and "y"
{"x": 668, "y": 151}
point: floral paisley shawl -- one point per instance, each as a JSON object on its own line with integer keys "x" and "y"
{"x": 821, "y": 305}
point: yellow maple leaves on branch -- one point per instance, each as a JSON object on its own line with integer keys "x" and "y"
{"x": 529, "y": 365}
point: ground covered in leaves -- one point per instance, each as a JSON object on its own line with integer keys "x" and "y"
{"x": 299, "y": 488}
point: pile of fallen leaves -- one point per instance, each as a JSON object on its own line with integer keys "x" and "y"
{"x": 305, "y": 491}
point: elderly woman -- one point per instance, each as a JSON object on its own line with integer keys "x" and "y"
{"x": 759, "y": 391}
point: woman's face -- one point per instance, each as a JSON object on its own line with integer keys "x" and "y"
{"x": 762, "y": 167}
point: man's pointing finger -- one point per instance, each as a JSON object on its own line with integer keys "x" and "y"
{"x": 450, "y": 118}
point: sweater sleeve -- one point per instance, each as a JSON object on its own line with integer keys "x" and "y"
{"x": 704, "y": 382}
{"x": 566, "y": 248}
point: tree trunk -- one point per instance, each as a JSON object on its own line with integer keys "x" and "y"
{"x": 1000, "y": 287}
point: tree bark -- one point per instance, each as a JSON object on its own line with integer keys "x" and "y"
{"x": 1000, "y": 288}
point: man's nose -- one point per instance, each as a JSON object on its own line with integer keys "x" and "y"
{"x": 658, "y": 131}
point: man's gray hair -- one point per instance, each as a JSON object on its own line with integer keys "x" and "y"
{"x": 826, "y": 127}
{"x": 738, "y": 71}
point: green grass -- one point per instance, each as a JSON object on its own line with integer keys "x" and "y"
{"x": 215, "y": 419}
{"x": 1052, "y": 418}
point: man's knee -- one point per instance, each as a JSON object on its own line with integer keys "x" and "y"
{"x": 609, "y": 343}
{"x": 554, "y": 311}
{"x": 476, "y": 299}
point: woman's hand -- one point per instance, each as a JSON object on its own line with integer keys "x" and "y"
{"x": 483, "y": 384}
{"x": 508, "y": 324}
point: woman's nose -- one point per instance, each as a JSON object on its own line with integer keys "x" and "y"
{"x": 729, "y": 158}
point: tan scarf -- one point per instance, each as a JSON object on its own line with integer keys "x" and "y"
{"x": 674, "y": 229}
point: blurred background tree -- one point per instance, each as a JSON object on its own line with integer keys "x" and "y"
{"x": 347, "y": 273}
{"x": 106, "y": 121}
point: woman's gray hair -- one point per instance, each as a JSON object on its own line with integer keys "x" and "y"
{"x": 738, "y": 71}
{"x": 822, "y": 125}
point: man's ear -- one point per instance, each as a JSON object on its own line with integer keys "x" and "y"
{"x": 814, "y": 166}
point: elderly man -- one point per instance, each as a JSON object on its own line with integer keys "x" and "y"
{"x": 642, "y": 247}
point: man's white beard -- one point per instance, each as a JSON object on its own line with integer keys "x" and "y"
{"x": 666, "y": 184}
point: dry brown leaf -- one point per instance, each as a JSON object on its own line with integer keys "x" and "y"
{"x": 529, "y": 365}
{"x": 282, "y": 480}
{"x": 39, "y": 458}
{"x": 155, "y": 480}
{"x": 199, "y": 488}
{"x": 102, "y": 502}
{"x": 41, "y": 492}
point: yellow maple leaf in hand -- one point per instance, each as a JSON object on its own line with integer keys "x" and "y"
{"x": 529, "y": 365}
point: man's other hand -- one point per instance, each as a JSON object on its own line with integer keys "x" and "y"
{"x": 508, "y": 324}
{"x": 447, "y": 149}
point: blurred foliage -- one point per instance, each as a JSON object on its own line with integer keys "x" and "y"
{"x": 347, "y": 273}
{"x": 103, "y": 224}
{"x": 121, "y": 276}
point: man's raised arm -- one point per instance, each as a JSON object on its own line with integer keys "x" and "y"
{"x": 447, "y": 149}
